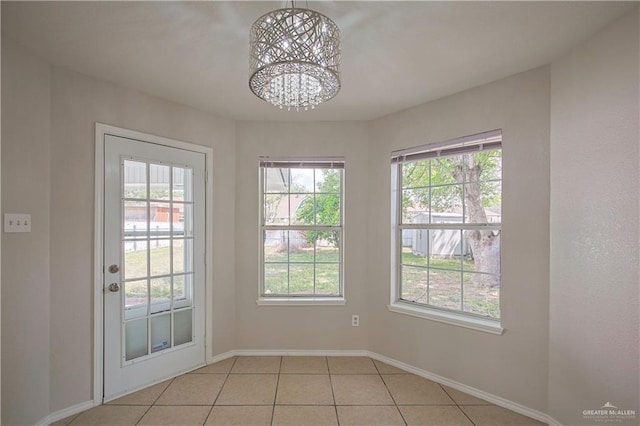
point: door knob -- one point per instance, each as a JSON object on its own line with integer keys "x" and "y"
{"x": 114, "y": 269}
{"x": 114, "y": 287}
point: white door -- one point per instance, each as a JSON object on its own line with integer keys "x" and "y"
{"x": 154, "y": 240}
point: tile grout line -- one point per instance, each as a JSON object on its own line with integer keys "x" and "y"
{"x": 457, "y": 405}
{"x": 154, "y": 401}
{"x": 220, "y": 391}
{"x": 209, "y": 413}
{"x": 275, "y": 396}
{"x": 333, "y": 395}
{"x": 390, "y": 394}
{"x": 142, "y": 416}
{"x": 377, "y": 368}
{"x": 163, "y": 391}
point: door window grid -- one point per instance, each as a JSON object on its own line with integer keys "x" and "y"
{"x": 163, "y": 311}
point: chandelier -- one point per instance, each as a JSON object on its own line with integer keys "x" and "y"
{"x": 294, "y": 58}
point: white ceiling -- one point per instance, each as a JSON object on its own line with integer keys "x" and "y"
{"x": 394, "y": 54}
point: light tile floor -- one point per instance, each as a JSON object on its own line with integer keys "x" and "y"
{"x": 297, "y": 391}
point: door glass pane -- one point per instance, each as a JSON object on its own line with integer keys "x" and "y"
{"x": 135, "y": 180}
{"x": 182, "y": 324}
{"x": 135, "y": 339}
{"x": 135, "y": 299}
{"x": 160, "y": 294}
{"x": 160, "y": 257}
{"x": 135, "y": 259}
{"x": 159, "y": 182}
{"x": 182, "y": 290}
{"x": 182, "y": 188}
{"x": 177, "y": 218}
{"x": 160, "y": 214}
{"x": 157, "y": 242}
{"x": 182, "y": 256}
{"x": 135, "y": 219}
{"x": 185, "y": 227}
{"x": 160, "y": 332}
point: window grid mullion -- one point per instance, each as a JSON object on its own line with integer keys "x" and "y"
{"x": 301, "y": 228}
{"x": 461, "y": 229}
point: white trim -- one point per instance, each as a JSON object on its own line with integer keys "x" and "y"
{"x": 66, "y": 412}
{"x": 98, "y": 267}
{"x": 301, "y": 301}
{"x": 494, "y": 399}
{"x": 296, "y": 352}
{"x": 105, "y": 129}
{"x": 208, "y": 256}
{"x": 453, "y": 318}
{"x": 478, "y": 139}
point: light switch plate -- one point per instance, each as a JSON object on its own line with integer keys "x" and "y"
{"x": 17, "y": 222}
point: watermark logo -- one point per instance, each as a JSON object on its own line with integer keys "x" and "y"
{"x": 609, "y": 413}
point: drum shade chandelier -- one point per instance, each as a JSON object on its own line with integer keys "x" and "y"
{"x": 294, "y": 58}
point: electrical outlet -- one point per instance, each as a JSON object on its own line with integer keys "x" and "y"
{"x": 17, "y": 222}
{"x": 355, "y": 320}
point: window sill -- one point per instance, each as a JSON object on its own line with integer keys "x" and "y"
{"x": 461, "y": 320}
{"x": 300, "y": 301}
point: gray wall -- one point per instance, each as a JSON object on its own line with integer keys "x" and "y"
{"x": 594, "y": 225}
{"x": 77, "y": 102}
{"x": 48, "y": 132}
{"x": 304, "y": 327}
{"x": 586, "y": 104}
{"x": 25, "y": 257}
{"x": 518, "y": 105}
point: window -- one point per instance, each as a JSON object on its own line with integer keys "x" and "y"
{"x": 447, "y": 230}
{"x": 301, "y": 229}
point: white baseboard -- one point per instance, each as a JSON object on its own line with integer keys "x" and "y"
{"x": 494, "y": 399}
{"x": 66, "y": 412}
{"x": 297, "y": 352}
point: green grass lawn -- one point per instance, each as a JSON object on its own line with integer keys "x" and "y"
{"x": 445, "y": 289}
{"x": 135, "y": 266}
{"x": 298, "y": 277}
{"x": 135, "y": 262}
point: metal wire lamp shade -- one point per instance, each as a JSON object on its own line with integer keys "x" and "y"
{"x": 294, "y": 58}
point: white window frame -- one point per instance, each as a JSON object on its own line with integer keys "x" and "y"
{"x": 477, "y": 142}
{"x": 293, "y": 162}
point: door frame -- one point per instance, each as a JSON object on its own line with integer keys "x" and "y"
{"x": 98, "y": 266}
